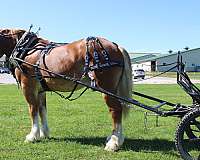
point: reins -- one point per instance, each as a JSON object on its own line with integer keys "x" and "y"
{"x": 75, "y": 80}
{"x": 72, "y": 92}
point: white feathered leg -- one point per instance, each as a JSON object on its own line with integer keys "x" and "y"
{"x": 115, "y": 140}
{"x": 44, "y": 130}
{"x": 34, "y": 135}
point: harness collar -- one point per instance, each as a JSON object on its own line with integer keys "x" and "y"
{"x": 28, "y": 40}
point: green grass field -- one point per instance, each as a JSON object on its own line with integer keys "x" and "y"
{"x": 192, "y": 75}
{"x": 79, "y": 128}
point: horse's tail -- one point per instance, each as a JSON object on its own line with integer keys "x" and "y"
{"x": 126, "y": 83}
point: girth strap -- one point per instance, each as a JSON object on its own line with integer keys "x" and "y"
{"x": 39, "y": 76}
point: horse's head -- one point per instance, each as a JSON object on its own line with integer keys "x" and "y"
{"x": 8, "y": 40}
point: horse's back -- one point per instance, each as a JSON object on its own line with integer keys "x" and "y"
{"x": 67, "y": 58}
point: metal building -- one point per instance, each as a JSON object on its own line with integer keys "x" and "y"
{"x": 142, "y": 60}
{"x": 191, "y": 59}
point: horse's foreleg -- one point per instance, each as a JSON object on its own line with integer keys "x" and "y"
{"x": 35, "y": 131}
{"x": 44, "y": 130}
{"x": 116, "y": 139}
{"x": 32, "y": 99}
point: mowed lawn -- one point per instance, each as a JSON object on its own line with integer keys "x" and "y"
{"x": 79, "y": 128}
{"x": 192, "y": 75}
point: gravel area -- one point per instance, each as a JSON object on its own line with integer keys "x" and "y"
{"x": 159, "y": 80}
{"x": 8, "y": 79}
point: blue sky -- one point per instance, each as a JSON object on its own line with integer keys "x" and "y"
{"x": 137, "y": 25}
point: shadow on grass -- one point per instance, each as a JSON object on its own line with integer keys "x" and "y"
{"x": 135, "y": 145}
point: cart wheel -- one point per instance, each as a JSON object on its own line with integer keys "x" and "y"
{"x": 187, "y": 137}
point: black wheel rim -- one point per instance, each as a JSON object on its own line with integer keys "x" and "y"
{"x": 190, "y": 138}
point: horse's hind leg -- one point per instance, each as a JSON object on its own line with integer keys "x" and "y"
{"x": 44, "y": 130}
{"x": 116, "y": 139}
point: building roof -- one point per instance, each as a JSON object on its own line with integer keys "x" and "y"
{"x": 174, "y": 53}
{"x": 159, "y": 56}
{"x": 140, "y": 56}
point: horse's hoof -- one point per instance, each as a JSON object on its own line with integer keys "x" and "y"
{"x": 111, "y": 148}
{"x": 31, "y": 138}
{"x": 114, "y": 143}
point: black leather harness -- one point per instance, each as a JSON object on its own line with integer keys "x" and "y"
{"x": 28, "y": 42}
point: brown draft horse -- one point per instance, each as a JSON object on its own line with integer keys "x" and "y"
{"x": 69, "y": 60}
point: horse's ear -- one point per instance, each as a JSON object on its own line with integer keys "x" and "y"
{"x": 5, "y": 31}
